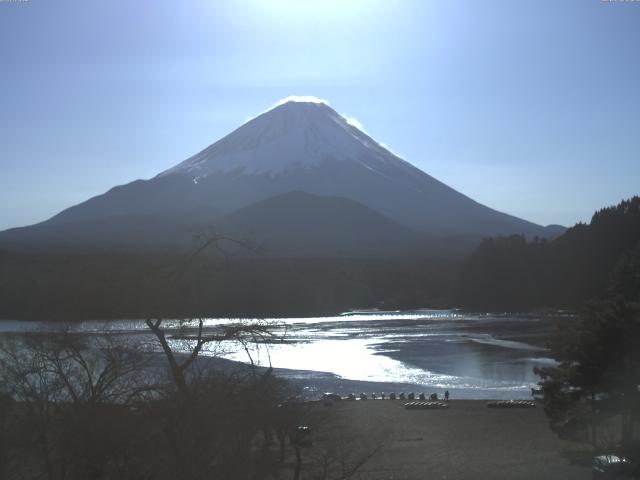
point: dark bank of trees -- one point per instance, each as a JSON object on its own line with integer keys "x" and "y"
{"x": 504, "y": 273}
{"x": 593, "y": 393}
{"x": 512, "y": 273}
{"x": 84, "y": 286}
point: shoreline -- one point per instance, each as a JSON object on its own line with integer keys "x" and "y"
{"x": 311, "y": 385}
{"x": 482, "y": 356}
{"x": 465, "y": 441}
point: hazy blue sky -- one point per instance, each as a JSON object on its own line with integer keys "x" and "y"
{"x": 530, "y": 107}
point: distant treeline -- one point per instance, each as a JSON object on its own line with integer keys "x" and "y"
{"x": 512, "y": 273}
{"x": 504, "y": 273}
{"x": 105, "y": 286}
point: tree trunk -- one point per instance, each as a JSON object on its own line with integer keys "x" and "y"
{"x": 176, "y": 369}
{"x": 296, "y": 474}
{"x": 281, "y": 439}
{"x": 627, "y": 427}
{"x": 594, "y": 421}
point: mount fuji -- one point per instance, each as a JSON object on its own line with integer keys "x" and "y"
{"x": 299, "y": 178}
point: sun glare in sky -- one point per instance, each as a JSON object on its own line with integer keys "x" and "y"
{"x": 519, "y": 93}
{"x": 315, "y": 9}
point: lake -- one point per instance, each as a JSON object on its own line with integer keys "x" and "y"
{"x": 473, "y": 355}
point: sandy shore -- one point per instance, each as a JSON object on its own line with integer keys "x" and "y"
{"x": 466, "y": 441}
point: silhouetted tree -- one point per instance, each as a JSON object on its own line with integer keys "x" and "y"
{"x": 72, "y": 396}
{"x": 599, "y": 359}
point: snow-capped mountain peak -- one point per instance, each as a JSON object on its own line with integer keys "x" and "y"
{"x": 299, "y": 133}
{"x": 300, "y": 145}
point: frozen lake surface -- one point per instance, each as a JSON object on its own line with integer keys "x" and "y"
{"x": 472, "y": 355}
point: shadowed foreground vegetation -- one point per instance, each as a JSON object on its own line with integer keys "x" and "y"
{"x": 76, "y": 407}
{"x": 592, "y": 393}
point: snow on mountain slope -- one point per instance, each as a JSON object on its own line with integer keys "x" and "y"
{"x": 293, "y": 135}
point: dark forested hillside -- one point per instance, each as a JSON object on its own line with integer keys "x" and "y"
{"x": 511, "y": 273}
{"x": 74, "y": 286}
{"x": 504, "y": 273}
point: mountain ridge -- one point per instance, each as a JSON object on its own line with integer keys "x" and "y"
{"x": 294, "y": 147}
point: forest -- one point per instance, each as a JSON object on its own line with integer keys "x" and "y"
{"x": 516, "y": 274}
{"x": 503, "y": 274}
{"x": 106, "y": 286}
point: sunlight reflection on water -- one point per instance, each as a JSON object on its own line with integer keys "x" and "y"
{"x": 476, "y": 355}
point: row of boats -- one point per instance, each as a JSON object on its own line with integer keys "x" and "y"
{"x": 421, "y": 401}
{"x": 381, "y": 396}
